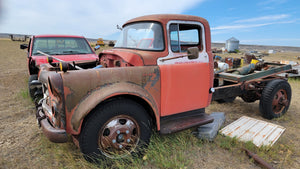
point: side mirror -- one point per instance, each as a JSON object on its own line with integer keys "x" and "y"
{"x": 193, "y": 52}
{"x": 23, "y": 46}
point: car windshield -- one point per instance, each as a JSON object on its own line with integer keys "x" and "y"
{"x": 144, "y": 36}
{"x": 61, "y": 46}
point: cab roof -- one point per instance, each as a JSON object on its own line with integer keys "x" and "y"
{"x": 165, "y": 18}
{"x": 59, "y": 36}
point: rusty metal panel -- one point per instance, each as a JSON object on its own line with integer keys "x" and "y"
{"x": 96, "y": 85}
{"x": 257, "y": 131}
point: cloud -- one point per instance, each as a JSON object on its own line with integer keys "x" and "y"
{"x": 271, "y": 2}
{"x": 233, "y": 27}
{"x": 91, "y": 18}
{"x": 249, "y": 23}
{"x": 247, "y": 26}
{"x": 264, "y": 18}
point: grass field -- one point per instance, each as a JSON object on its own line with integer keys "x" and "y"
{"x": 23, "y": 145}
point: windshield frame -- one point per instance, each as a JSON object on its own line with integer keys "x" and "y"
{"x": 127, "y": 26}
{"x": 88, "y": 48}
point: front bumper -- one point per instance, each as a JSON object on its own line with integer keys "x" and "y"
{"x": 55, "y": 135}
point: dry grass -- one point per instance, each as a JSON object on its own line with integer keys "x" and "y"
{"x": 23, "y": 145}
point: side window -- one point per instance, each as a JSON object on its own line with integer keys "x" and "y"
{"x": 183, "y": 36}
{"x": 174, "y": 38}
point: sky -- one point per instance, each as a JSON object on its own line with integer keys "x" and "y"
{"x": 259, "y": 22}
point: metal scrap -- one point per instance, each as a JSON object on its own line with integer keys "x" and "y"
{"x": 261, "y": 133}
{"x": 257, "y": 159}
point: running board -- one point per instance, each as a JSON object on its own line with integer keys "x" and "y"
{"x": 171, "y": 125}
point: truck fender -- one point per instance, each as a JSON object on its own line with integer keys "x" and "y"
{"x": 99, "y": 95}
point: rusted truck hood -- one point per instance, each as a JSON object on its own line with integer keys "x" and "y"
{"x": 45, "y": 71}
{"x": 136, "y": 57}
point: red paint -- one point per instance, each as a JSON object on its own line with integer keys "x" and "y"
{"x": 184, "y": 87}
{"x": 67, "y": 58}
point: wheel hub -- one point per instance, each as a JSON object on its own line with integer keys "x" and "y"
{"x": 280, "y": 101}
{"x": 119, "y": 136}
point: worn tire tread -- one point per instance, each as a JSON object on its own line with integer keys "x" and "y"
{"x": 100, "y": 115}
{"x": 265, "y": 105}
{"x": 32, "y": 91}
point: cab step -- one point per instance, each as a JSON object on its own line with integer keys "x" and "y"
{"x": 178, "y": 122}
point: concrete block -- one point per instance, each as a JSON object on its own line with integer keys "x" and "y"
{"x": 210, "y": 131}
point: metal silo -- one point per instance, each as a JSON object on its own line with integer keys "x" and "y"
{"x": 232, "y": 44}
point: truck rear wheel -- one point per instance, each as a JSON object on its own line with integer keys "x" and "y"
{"x": 32, "y": 90}
{"x": 275, "y": 99}
{"x": 115, "y": 130}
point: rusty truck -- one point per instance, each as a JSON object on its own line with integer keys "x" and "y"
{"x": 164, "y": 84}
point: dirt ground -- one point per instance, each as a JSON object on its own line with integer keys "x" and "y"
{"x": 22, "y": 144}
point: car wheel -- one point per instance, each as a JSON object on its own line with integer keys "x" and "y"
{"x": 31, "y": 89}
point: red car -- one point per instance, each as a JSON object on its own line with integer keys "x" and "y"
{"x": 68, "y": 48}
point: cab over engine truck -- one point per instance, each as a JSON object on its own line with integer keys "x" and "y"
{"x": 159, "y": 75}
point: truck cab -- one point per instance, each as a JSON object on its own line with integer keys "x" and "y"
{"x": 158, "y": 75}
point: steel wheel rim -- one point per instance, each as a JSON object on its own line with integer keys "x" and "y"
{"x": 119, "y": 136}
{"x": 280, "y": 101}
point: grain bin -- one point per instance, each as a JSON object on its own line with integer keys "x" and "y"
{"x": 232, "y": 44}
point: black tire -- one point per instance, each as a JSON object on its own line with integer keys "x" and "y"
{"x": 275, "y": 99}
{"x": 226, "y": 100}
{"x": 30, "y": 89}
{"x": 117, "y": 123}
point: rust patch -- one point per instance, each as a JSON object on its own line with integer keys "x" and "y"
{"x": 97, "y": 85}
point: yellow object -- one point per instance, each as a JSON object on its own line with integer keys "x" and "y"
{"x": 60, "y": 66}
{"x": 242, "y": 63}
{"x": 100, "y": 42}
{"x": 254, "y": 61}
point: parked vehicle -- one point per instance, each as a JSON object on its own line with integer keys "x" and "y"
{"x": 68, "y": 48}
{"x": 100, "y": 42}
{"x": 256, "y": 82}
{"x": 167, "y": 84}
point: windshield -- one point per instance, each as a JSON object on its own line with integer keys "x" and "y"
{"x": 144, "y": 36}
{"x": 61, "y": 46}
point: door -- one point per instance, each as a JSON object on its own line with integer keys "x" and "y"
{"x": 185, "y": 82}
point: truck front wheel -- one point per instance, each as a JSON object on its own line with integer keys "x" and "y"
{"x": 275, "y": 99}
{"x": 115, "y": 130}
{"x": 31, "y": 89}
